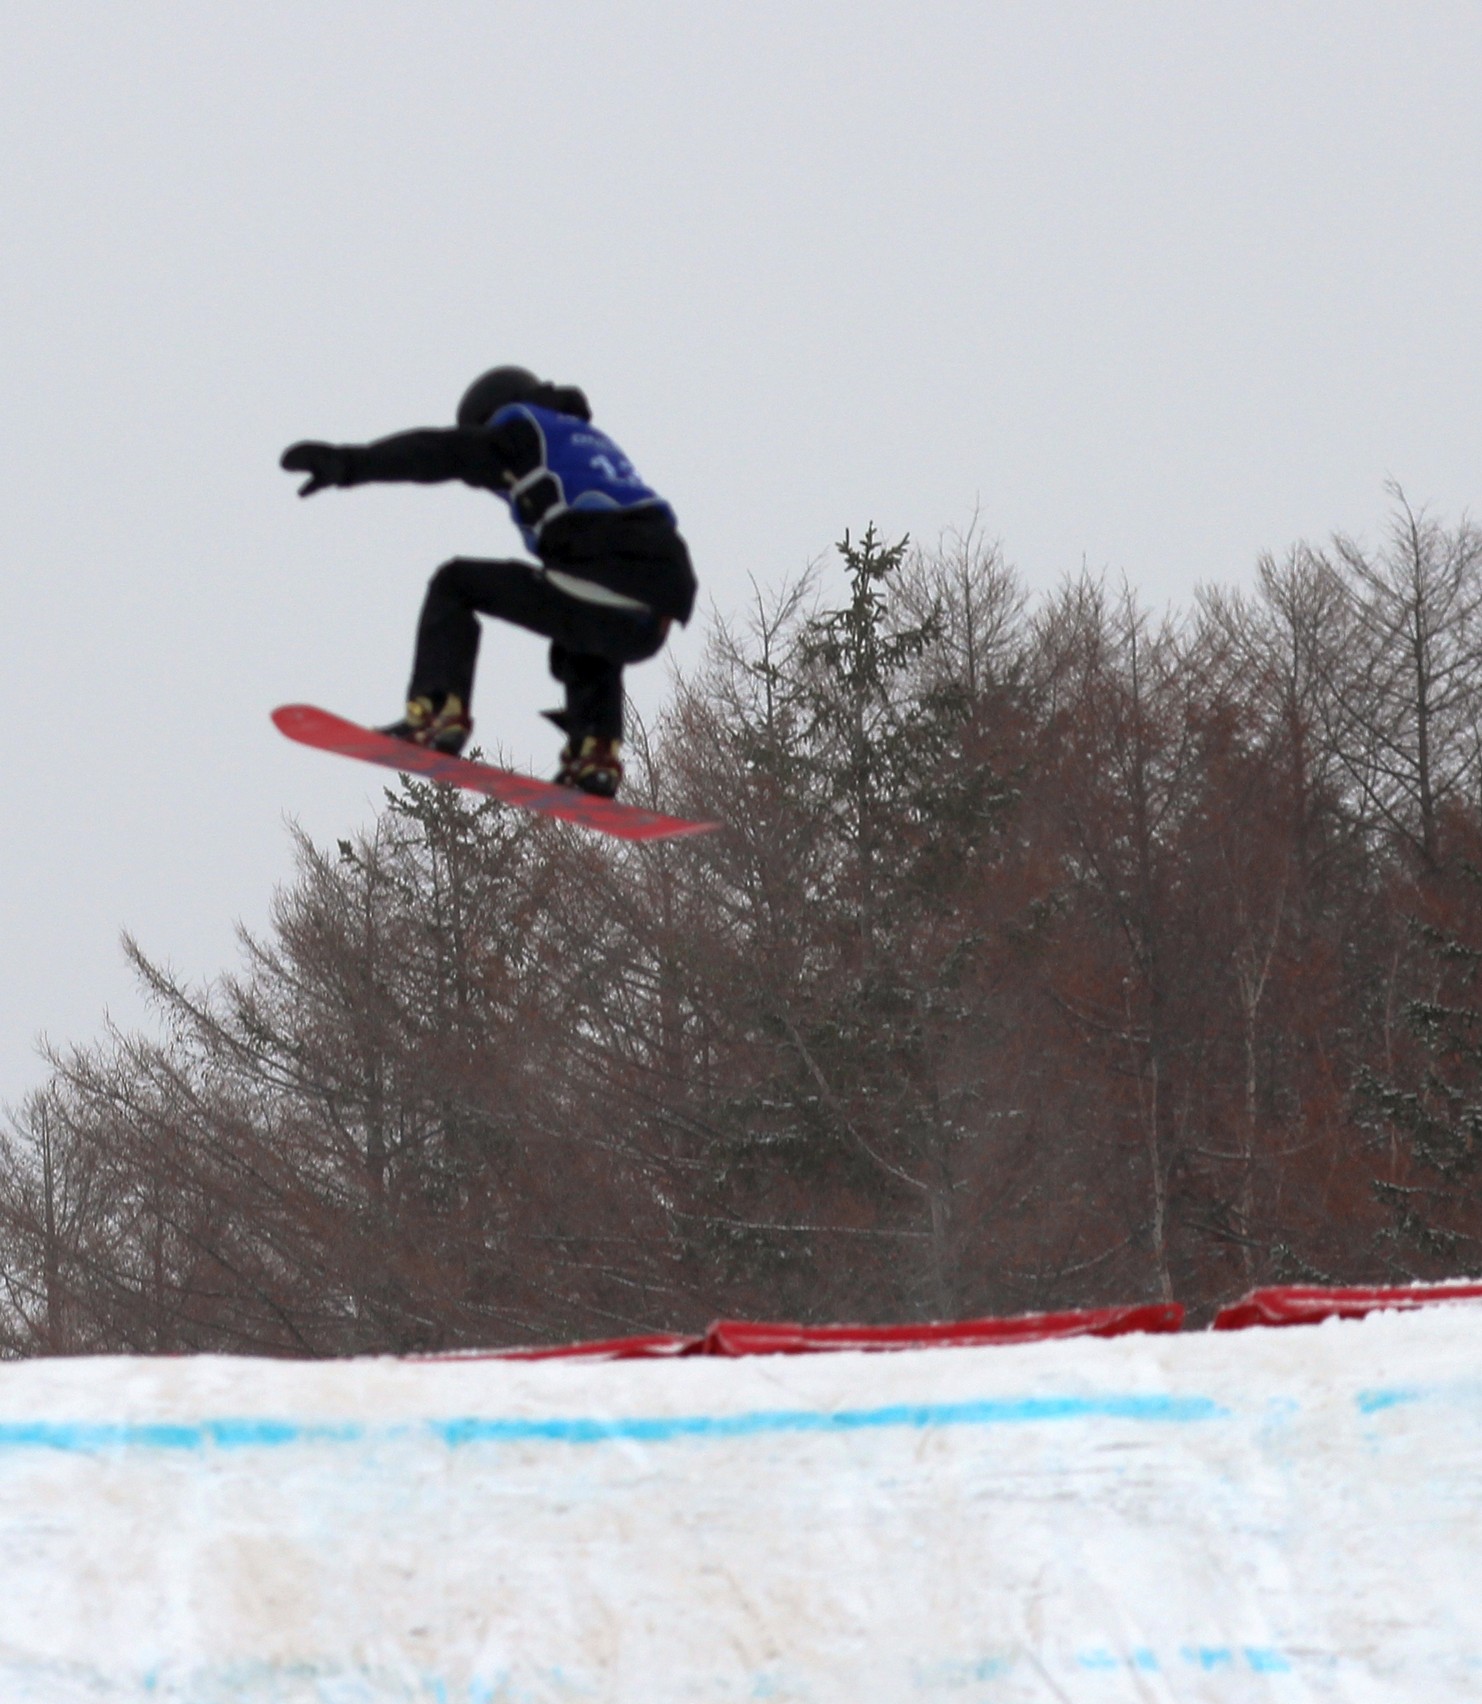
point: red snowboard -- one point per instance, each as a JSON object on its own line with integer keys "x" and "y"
{"x": 302, "y": 722}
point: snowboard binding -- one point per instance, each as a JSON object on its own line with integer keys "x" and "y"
{"x": 592, "y": 765}
{"x": 441, "y": 727}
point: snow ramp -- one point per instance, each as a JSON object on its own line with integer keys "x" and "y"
{"x": 1261, "y": 1514}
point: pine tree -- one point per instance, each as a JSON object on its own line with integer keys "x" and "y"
{"x": 1427, "y": 1111}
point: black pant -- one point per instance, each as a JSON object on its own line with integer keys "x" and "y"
{"x": 590, "y": 643}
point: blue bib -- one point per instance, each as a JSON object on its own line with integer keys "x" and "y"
{"x": 579, "y": 468}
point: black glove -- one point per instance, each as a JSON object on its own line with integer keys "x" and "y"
{"x": 325, "y": 464}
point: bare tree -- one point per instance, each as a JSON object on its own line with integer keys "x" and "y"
{"x": 1403, "y": 698}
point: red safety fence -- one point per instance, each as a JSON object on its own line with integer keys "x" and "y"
{"x": 735, "y": 1337}
{"x": 746, "y": 1337}
{"x": 1306, "y": 1304}
{"x": 1284, "y": 1304}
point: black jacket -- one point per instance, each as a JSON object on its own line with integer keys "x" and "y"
{"x": 636, "y": 552}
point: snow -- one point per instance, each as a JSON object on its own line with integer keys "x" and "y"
{"x": 1274, "y": 1515}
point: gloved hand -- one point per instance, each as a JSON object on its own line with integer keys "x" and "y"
{"x": 325, "y": 464}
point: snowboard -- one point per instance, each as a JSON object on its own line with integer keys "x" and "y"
{"x": 314, "y": 727}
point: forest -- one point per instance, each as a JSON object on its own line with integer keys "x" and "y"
{"x": 1055, "y": 952}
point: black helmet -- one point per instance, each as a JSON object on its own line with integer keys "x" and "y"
{"x": 494, "y": 390}
{"x": 501, "y": 386}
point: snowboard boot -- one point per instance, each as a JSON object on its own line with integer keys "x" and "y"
{"x": 592, "y": 765}
{"x": 443, "y": 727}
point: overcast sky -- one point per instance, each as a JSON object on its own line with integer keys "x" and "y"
{"x": 1156, "y": 287}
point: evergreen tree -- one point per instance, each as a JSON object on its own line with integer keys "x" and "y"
{"x": 1425, "y": 1113}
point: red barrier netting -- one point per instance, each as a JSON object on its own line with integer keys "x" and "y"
{"x": 1306, "y": 1304}
{"x": 746, "y": 1337}
{"x": 735, "y": 1337}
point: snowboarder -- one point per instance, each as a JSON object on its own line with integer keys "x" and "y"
{"x": 612, "y": 571}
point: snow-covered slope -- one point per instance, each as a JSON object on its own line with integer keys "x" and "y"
{"x": 1261, "y": 1515}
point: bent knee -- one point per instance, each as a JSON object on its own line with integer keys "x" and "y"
{"x": 481, "y": 584}
{"x": 450, "y": 580}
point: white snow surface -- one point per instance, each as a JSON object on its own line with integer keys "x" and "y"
{"x": 1274, "y": 1515}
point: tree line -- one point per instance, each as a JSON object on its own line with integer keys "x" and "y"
{"x": 1055, "y": 952}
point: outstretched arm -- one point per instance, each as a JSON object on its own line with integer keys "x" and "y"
{"x": 427, "y": 455}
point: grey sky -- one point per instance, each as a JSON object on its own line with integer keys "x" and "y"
{"x": 1157, "y": 286}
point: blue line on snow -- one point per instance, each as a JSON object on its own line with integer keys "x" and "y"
{"x": 1376, "y": 1401}
{"x": 1266, "y": 1661}
{"x": 663, "y": 1429}
{"x": 1208, "y": 1657}
{"x": 91, "y": 1437}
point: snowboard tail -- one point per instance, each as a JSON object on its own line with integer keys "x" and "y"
{"x": 326, "y": 732}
